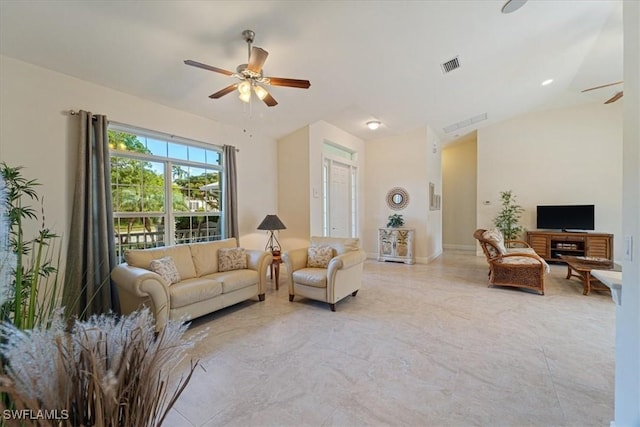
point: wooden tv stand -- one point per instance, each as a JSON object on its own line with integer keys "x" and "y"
{"x": 551, "y": 244}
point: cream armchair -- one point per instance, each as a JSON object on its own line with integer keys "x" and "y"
{"x": 342, "y": 275}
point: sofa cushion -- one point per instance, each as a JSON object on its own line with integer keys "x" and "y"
{"x": 316, "y": 277}
{"x": 194, "y": 290}
{"x": 340, "y": 244}
{"x": 495, "y": 237}
{"x": 230, "y": 259}
{"x": 181, "y": 255}
{"x": 205, "y": 255}
{"x": 234, "y": 280}
{"x": 166, "y": 268}
{"x": 319, "y": 256}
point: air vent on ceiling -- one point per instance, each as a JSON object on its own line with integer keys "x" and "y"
{"x": 450, "y": 65}
{"x": 465, "y": 123}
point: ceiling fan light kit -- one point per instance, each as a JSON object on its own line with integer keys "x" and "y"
{"x": 251, "y": 75}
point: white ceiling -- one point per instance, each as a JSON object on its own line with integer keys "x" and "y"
{"x": 365, "y": 60}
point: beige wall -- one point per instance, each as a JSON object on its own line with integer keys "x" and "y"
{"x": 300, "y": 180}
{"x": 406, "y": 161}
{"x": 459, "y": 189}
{"x": 564, "y": 156}
{"x": 37, "y": 132}
{"x": 293, "y": 189}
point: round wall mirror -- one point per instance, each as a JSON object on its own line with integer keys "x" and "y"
{"x": 397, "y": 198}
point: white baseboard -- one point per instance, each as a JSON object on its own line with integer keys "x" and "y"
{"x": 460, "y": 247}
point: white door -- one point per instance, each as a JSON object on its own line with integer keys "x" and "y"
{"x": 339, "y": 215}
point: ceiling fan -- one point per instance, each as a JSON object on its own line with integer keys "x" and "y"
{"x": 614, "y": 98}
{"x": 251, "y": 75}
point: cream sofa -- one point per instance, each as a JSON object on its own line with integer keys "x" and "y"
{"x": 341, "y": 277}
{"x": 201, "y": 288}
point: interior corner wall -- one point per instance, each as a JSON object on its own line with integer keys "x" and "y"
{"x": 294, "y": 189}
{"x": 37, "y": 132}
{"x": 434, "y": 175}
{"x": 300, "y": 156}
{"x": 320, "y": 133}
{"x": 561, "y": 156}
{"x": 459, "y": 193}
{"x": 406, "y": 161}
{"x": 627, "y": 384}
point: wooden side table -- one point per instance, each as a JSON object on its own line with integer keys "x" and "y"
{"x": 274, "y": 268}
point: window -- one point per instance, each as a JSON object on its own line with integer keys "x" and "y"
{"x": 165, "y": 190}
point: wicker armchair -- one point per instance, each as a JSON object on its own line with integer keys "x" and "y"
{"x": 512, "y": 263}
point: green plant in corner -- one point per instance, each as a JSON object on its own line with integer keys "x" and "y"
{"x": 508, "y": 218}
{"x": 33, "y": 277}
{"x": 395, "y": 221}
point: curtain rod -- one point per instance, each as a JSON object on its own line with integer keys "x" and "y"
{"x": 75, "y": 113}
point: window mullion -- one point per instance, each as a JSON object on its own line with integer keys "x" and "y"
{"x": 169, "y": 218}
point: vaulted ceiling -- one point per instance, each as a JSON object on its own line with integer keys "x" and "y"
{"x": 365, "y": 59}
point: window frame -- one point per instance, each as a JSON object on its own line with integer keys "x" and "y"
{"x": 169, "y": 215}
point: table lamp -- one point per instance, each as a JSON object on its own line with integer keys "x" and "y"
{"x": 272, "y": 223}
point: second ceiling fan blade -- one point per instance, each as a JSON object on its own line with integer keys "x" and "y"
{"x": 223, "y": 92}
{"x": 270, "y": 100}
{"x": 614, "y": 98}
{"x": 208, "y": 67}
{"x": 280, "y": 81}
{"x": 600, "y": 87}
{"x": 256, "y": 59}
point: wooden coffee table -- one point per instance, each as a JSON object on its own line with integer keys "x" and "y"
{"x": 581, "y": 267}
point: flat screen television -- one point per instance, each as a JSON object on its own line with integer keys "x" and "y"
{"x": 566, "y": 217}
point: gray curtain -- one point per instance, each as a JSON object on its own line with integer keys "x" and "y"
{"x": 231, "y": 192}
{"x": 91, "y": 252}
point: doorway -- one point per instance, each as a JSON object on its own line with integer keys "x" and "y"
{"x": 339, "y": 188}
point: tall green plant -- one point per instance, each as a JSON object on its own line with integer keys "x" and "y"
{"x": 33, "y": 284}
{"x": 508, "y": 218}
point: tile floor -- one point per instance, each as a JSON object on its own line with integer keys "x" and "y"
{"x": 421, "y": 345}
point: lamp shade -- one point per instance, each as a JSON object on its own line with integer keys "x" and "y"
{"x": 271, "y": 222}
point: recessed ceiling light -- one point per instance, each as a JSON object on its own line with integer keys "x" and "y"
{"x": 547, "y": 82}
{"x": 513, "y": 5}
{"x": 373, "y": 124}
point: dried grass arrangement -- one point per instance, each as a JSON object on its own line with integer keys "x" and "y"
{"x": 100, "y": 372}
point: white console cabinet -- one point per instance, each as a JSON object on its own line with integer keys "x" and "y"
{"x": 396, "y": 244}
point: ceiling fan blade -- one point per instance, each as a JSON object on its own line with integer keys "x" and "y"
{"x": 208, "y": 67}
{"x": 270, "y": 100}
{"x": 279, "y": 81}
{"x": 614, "y": 98}
{"x": 223, "y": 92}
{"x": 256, "y": 59}
{"x": 600, "y": 87}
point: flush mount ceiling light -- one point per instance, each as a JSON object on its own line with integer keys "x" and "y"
{"x": 513, "y": 5}
{"x": 373, "y": 124}
{"x": 547, "y": 82}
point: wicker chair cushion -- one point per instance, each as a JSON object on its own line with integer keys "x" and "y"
{"x": 495, "y": 237}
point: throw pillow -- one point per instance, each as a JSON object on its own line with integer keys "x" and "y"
{"x": 319, "y": 256}
{"x": 166, "y": 268}
{"x": 231, "y": 259}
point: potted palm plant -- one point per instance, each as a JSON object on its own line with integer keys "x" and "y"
{"x": 509, "y": 216}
